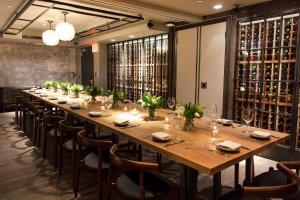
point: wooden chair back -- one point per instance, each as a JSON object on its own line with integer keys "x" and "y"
{"x": 122, "y": 164}
{"x": 53, "y": 119}
{"x": 65, "y": 128}
{"x": 92, "y": 142}
{"x": 288, "y": 191}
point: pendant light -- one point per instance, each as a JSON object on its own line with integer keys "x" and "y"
{"x": 65, "y": 30}
{"x": 50, "y": 37}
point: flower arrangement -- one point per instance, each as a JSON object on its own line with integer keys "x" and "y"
{"x": 93, "y": 91}
{"x": 76, "y": 88}
{"x": 48, "y": 84}
{"x": 190, "y": 112}
{"x": 150, "y": 102}
{"x": 115, "y": 96}
{"x": 55, "y": 85}
{"x": 65, "y": 87}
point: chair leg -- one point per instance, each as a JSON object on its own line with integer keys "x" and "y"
{"x": 109, "y": 183}
{"x": 77, "y": 172}
{"x": 55, "y": 148}
{"x": 44, "y": 134}
{"x": 60, "y": 155}
{"x": 100, "y": 179}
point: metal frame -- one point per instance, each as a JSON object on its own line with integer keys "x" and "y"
{"x": 119, "y": 19}
{"x": 132, "y": 92}
{"x": 294, "y": 113}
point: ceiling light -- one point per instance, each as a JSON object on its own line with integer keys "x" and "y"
{"x": 218, "y": 6}
{"x": 131, "y": 36}
{"x": 50, "y": 37}
{"x": 65, "y": 30}
{"x": 170, "y": 24}
{"x": 199, "y": 1}
{"x": 112, "y": 40}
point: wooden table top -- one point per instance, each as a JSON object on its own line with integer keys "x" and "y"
{"x": 192, "y": 151}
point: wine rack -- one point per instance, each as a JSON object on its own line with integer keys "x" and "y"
{"x": 139, "y": 65}
{"x": 265, "y": 74}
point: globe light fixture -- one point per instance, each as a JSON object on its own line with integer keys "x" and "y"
{"x": 65, "y": 30}
{"x": 50, "y": 37}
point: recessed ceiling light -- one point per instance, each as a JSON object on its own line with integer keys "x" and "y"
{"x": 131, "y": 36}
{"x": 8, "y": 6}
{"x": 218, "y": 6}
{"x": 112, "y": 40}
{"x": 170, "y": 24}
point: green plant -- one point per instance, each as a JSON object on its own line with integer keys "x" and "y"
{"x": 76, "y": 88}
{"x": 190, "y": 112}
{"x": 65, "y": 86}
{"x": 115, "y": 95}
{"x": 47, "y": 84}
{"x": 55, "y": 85}
{"x": 150, "y": 102}
{"x": 93, "y": 91}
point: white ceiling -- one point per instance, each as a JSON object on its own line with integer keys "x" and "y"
{"x": 157, "y": 10}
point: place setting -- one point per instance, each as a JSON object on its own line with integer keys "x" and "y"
{"x": 125, "y": 123}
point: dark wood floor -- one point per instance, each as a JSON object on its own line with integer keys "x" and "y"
{"x": 24, "y": 175}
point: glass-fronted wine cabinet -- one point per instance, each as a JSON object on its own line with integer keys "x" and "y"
{"x": 266, "y": 80}
{"x": 139, "y": 65}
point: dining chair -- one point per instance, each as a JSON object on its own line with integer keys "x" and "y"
{"x": 17, "y": 110}
{"x": 36, "y": 109}
{"x": 137, "y": 180}
{"x": 68, "y": 142}
{"x": 23, "y": 113}
{"x": 286, "y": 191}
{"x": 91, "y": 160}
{"x": 51, "y": 120}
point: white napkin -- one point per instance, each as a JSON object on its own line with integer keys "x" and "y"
{"x": 261, "y": 134}
{"x": 230, "y": 145}
{"x": 94, "y": 113}
{"x": 75, "y": 106}
{"x": 121, "y": 121}
{"x": 160, "y": 135}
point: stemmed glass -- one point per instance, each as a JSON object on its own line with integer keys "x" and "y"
{"x": 171, "y": 102}
{"x": 213, "y": 116}
{"x": 108, "y": 104}
{"x": 247, "y": 116}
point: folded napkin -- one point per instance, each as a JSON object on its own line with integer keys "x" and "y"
{"x": 230, "y": 145}
{"x": 121, "y": 121}
{"x": 75, "y": 106}
{"x": 261, "y": 134}
{"x": 160, "y": 135}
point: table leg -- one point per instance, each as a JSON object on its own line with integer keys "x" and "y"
{"x": 236, "y": 174}
{"x": 217, "y": 186}
{"x": 249, "y": 169}
{"x": 188, "y": 183}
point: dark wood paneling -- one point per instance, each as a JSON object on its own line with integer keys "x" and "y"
{"x": 87, "y": 66}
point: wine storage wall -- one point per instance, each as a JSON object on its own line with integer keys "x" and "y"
{"x": 265, "y": 74}
{"x": 139, "y": 65}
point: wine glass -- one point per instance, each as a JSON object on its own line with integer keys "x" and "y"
{"x": 171, "y": 102}
{"x": 211, "y": 110}
{"x": 108, "y": 104}
{"x": 247, "y": 116}
{"x": 214, "y": 125}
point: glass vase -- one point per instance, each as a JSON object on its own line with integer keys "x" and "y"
{"x": 151, "y": 114}
{"x": 188, "y": 124}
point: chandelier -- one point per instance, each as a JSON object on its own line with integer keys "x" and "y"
{"x": 50, "y": 37}
{"x": 65, "y": 30}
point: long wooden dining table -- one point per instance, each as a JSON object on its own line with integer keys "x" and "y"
{"x": 192, "y": 154}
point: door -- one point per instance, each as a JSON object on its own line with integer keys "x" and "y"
{"x": 212, "y": 65}
{"x": 87, "y": 66}
{"x": 186, "y": 62}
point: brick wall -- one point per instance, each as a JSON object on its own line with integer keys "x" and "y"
{"x": 25, "y": 64}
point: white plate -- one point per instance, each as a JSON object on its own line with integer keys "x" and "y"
{"x": 95, "y": 114}
{"x": 263, "y": 135}
{"x": 53, "y": 98}
{"x": 228, "y": 146}
{"x": 75, "y": 106}
{"x": 121, "y": 122}
{"x": 224, "y": 121}
{"x": 161, "y": 136}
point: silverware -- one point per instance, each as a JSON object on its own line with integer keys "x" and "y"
{"x": 249, "y": 138}
{"x": 216, "y": 151}
{"x": 174, "y": 141}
